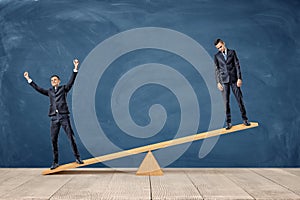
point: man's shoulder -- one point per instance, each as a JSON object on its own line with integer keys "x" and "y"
{"x": 230, "y": 51}
{"x": 217, "y": 54}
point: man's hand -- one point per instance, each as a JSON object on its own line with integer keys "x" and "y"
{"x": 239, "y": 82}
{"x": 220, "y": 87}
{"x": 76, "y": 63}
{"x": 26, "y": 75}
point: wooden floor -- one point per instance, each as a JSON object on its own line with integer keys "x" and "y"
{"x": 185, "y": 184}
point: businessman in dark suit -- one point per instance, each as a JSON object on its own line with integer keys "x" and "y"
{"x": 59, "y": 111}
{"x": 229, "y": 76}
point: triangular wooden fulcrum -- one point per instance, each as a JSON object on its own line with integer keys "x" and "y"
{"x": 149, "y": 166}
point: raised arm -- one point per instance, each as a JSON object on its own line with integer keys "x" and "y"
{"x": 35, "y": 86}
{"x": 69, "y": 85}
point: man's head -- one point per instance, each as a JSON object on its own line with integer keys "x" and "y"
{"x": 220, "y": 45}
{"x": 55, "y": 80}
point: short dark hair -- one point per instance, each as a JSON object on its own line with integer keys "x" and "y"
{"x": 55, "y": 76}
{"x": 217, "y": 41}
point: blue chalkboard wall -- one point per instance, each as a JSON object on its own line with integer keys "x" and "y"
{"x": 43, "y": 36}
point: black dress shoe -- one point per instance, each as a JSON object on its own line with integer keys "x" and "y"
{"x": 246, "y": 123}
{"x": 54, "y": 165}
{"x": 228, "y": 126}
{"x": 79, "y": 161}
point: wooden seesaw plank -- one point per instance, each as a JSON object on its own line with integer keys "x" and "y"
{"x": 151, "y": 147}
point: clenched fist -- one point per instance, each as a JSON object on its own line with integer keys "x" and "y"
{"x": 26, "y": 75}
{"x": 76, "y": 63}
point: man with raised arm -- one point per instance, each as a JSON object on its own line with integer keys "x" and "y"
{"x": 59, "y": 111}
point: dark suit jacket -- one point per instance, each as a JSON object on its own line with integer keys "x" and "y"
{"x": 227, "y": 71}
{"x": 58, "y": 98}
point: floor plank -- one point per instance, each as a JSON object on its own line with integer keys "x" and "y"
{"x": 90, "y": 184}
{"x": 13, "y": 178}
{"x": 126, "y": 185}
{"x": 258, "y": 186}
{"x": 281, "y": 177}
{"x": 183, "y": 183}
{"x": 40, "y": 187}
{"x": 213, "y": 184}
{"x": 174, "y": 184}
{"x": 2, "y": 172}
{"x": 295, "y": 171}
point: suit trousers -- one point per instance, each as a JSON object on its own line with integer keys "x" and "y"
{"x": 239, "y": 98}
{"x": 57, "y": 121}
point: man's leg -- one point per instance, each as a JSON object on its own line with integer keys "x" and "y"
{"x": 54, "y": 129}
{"x": 226, "y": 99}
{"x": 239, "y": 98}
{"x": 65, "y": 122}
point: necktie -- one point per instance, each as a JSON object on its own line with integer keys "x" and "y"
{"x": 225, "y": 56}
